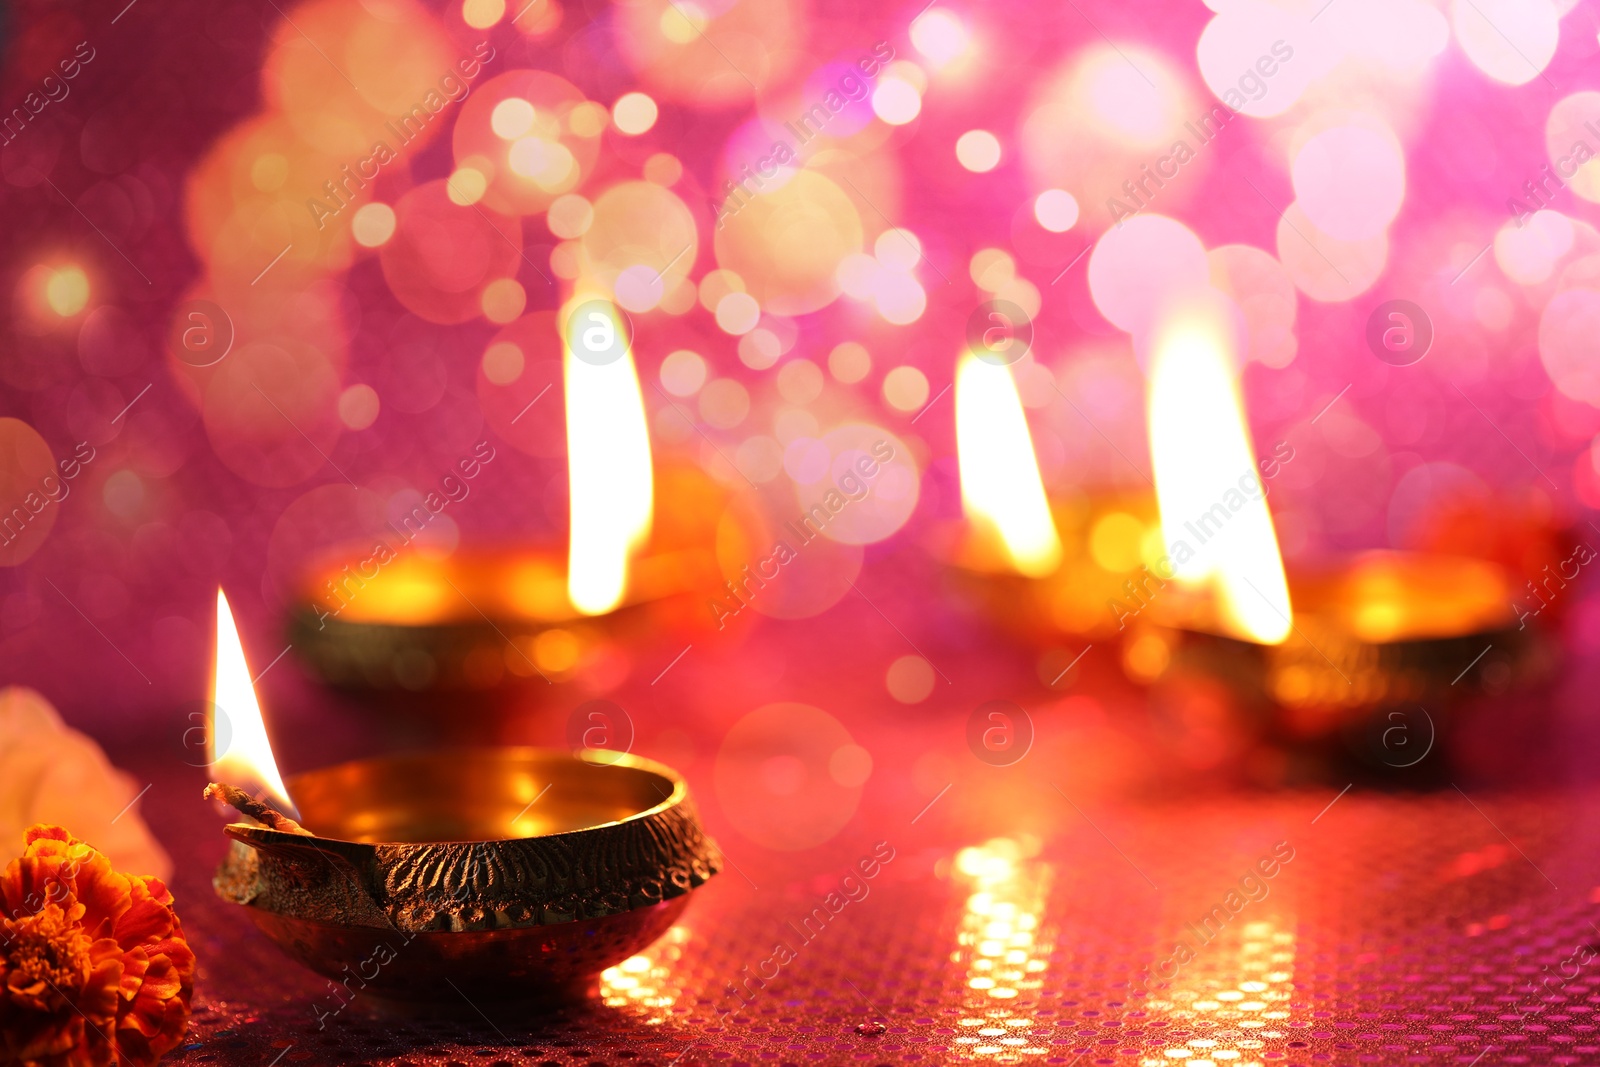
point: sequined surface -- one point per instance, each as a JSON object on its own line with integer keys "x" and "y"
{"x": 1438, "y": 928}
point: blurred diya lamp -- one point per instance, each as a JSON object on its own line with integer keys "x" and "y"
{"x": 479, "y": 621}
{"x": 1379, "y": 630}
{"x": 452, "y": 877}
{"x": 1043, "y": 568}
{"x": 1321, "y": 650}
{"x": 1193, "y": 578}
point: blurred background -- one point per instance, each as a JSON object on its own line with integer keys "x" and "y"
{"x": 262, "y": 340}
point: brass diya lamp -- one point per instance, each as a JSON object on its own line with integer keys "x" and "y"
{"x": 453, "y": 877}
{"x": 391, "y": 620}
{"x": 1190, "y": 580}
{"x": 478, "y": 621}
{"x": 1380, "y": 630}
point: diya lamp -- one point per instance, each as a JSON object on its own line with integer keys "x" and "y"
{"x": 477, "y": 624}
{"x": 451, "y": 878}
{"x": 1043, "y": 567}
{"x": 1336, "y": 649}
{"x": 1202, "y": 590}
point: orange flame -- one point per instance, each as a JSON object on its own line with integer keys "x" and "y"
{"x": 1214, "y": 519}
{"x": 608, "y": 463}
{"x": 246, "y": 759}
{"x": 1001, "y": 490}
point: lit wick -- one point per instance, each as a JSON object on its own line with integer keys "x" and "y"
{"x": 258, "y": 810}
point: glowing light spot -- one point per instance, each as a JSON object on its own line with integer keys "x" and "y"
{"x": 910, "y": 679}
{"x": 992, "y": 269}
{"x": 900, "y": 299}
{"x": 724, "y": 403}
{"x": 269, "y": 171}
{"x": 481, "y": 14}
{"x": 358, "y": 406}
{"x": 683, "y": 373}
{"x": 639, "y": 288}
{"x": 1528, "y": 254}
{"x": 1564, "y": 133}
{"x": 1115, "y": 541}
{"x": 503, "y": 300}
{"x": 978, "y": 151}
{"x": 905, "y": 388}
{"x": 503, "y": 363}
{"x": 858, "y": 274}
{"x": 1567, "y": 329}
{"x": 849, "y": 362}
{"x": 1056, "y": 210}
{"x": 511, "y": 118}
{"x": 466, "y": 186}
{"x": 738, "y": 313}
{"x": 570, "y": 216}
{"x": 939, "y": 36}
{"x": 800, "y": 381}
{"x": 634, "y": 113}
{"x": 551, "y": 164}
{"x": 896, "y": 101}
{"x": 1350, "y": 180}
{"x": 682, "y": 22}
{"x": 1143, "y": 265}
{"x": 67, "y": 291}
{"x": 663, "y": 168}
{"x": 1511, "y": 41}
{"x": 1128, "y": 102}
{"x": 1324, "y": 267}
{"x": 897, "y": 249}
{"x": 372, "y": 225}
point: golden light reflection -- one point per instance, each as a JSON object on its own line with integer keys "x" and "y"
{"x": 1001, "y": 491}
{"x": 1235, "y": 1005}
{"x": 608, "y": 458}
{"x": 1000, "y": 945}
{"x": 1214, "y": 516}
{"x": 643, "y": 983}
{"x": 246, "y": 759}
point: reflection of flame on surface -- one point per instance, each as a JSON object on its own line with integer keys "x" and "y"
{"x": 1216, "y": 533}
{"x": 248, "y": 759}
{"x": 1000, "y": 485}
{"x": 999, "y": 944}
{"x": 643, "y": 982}
{"x": 1249, "y": 991}
{"x": 608, "y": 461}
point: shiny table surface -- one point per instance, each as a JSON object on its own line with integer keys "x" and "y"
{"x": 1366, "y": 924}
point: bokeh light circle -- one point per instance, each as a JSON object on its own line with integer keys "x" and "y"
{"x": 778, "y": 776}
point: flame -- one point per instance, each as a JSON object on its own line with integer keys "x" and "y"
{"x": 608, "y": 463}
{"x": 1000, "y": 484}
{"x": 248, "y": 759}
{"x": 1214, "y": 519}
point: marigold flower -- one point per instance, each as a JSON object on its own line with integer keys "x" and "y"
{"x": 94, "y": 969}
